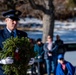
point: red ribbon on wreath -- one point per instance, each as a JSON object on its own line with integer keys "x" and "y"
{"x": 17, "y": 57}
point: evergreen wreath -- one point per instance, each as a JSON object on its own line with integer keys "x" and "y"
{"x": 21, "y": 57}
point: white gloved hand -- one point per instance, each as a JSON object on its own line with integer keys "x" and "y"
{"x": 39, "y": 57}
{"x": 7, "y": 60}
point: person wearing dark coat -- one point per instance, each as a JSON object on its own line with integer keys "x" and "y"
{"x": 64, "y": 67}
{"x": 38, "y": 48}
{"x": 11, "y": 20}
{"x": 60, "y": 43}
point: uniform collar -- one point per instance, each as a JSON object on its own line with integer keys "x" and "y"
{"x": 15, "y": 33}
{"x": 11, "y": 31}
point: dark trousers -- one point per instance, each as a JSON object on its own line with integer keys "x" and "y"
{"x": 39, "y": 67}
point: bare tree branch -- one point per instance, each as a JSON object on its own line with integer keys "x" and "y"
{"x": 36, "y": 6}
{"x": 51, "y": 6}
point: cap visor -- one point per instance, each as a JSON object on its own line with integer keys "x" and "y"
{"x": 14, "y": 18}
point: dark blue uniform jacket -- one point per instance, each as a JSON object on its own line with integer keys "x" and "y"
{"x": 4, "y": 34}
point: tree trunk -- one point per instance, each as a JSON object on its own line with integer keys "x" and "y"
{"x": 48, "y": 21}
{"x": 48, "y": 17}
{"x": 48, "y": 26}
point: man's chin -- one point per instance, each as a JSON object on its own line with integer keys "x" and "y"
{"x": 12, "y": 28}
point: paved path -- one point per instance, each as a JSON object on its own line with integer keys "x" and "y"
{"x": 71, "y": 57}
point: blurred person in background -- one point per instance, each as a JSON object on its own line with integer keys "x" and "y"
{"x": 38, "y": 48}
{"x": 64, "y": 67}
{"x": 60, "y": 43}
{"x": 50, "y": 55}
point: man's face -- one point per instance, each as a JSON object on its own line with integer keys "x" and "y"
{"x": 11, "y": 24}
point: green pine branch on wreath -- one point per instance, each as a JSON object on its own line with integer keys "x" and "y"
{"x": 21, "y": 50}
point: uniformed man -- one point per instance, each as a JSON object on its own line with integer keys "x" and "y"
{"x": 11, "y": 20}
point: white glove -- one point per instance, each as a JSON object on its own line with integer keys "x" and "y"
{"x": 39, "y": 57}
{"x": 7, "y": 60}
